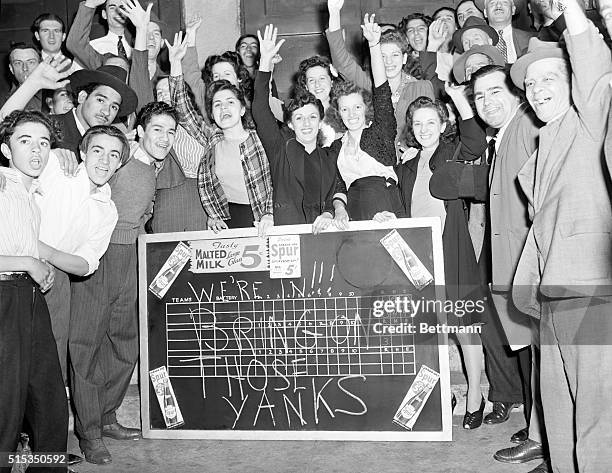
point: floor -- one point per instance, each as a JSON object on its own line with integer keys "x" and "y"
{"x": 469, "y": 452}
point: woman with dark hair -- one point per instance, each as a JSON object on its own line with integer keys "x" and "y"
{"x": 234, "y": 175}
{"x": 367, "y": 156}
{"x": 303, "y": 173}
{"x": 248, "y": 48}
{"x": 227, "y": 65}
{"x": 428, "y": 128}
{"x": 405, "y": 88}
{"x": 315, "y": 75}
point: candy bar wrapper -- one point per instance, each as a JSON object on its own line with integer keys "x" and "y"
{"x": 416, "y": 397}
{"x": 166, "y": 397}
{"x": 170, "y": 270}
{"x": 406, "y": 259}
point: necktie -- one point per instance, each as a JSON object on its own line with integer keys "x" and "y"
{"x": 502, "y": 46}
{"x": 491, "y": 150}
{"x": 120, "y": 49}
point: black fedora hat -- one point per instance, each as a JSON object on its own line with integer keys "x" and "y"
{"x": 473, "y": 22}
{"x": 111, "y": 76}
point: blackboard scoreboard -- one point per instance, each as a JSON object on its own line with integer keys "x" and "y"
{"x": 296, "y": 336}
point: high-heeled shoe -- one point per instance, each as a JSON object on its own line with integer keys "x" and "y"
{"x": 473, "y": 420}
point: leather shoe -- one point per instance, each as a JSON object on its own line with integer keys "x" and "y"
{"x": 524, "y": 452}
{"x": 95, "y": 451}
{"x": 541, "y": 468}
{"x": 473, "y": 420}
{"x": 74, "y": 459}
{"x": 520, "y": 436}
{"x": 119, "y": 432}
{"x": 500, "y": 412}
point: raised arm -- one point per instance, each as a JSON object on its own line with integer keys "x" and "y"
{"x": 77, "y": 41}
{"x": 341, "y": 58}
{"x": 265, "y": 122}
{"x": 191, "y": 68}
{"x": 45, "y": 76}
{"x": 139, "y": 79}
{"x": 371, "y": 32}
{"x": 188, "y": 116}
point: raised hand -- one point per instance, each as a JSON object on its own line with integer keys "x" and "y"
{"x": 46, "y": 75}
{"x": 371, "y": 30}
{"x": 138, "y": 16}
{"x": 268, "y": 48}
{"x": 335, "y": 5}
{"x": 178, "y": 49}
{"x": 438, "y": 32}
{"x": 458, "y": 95}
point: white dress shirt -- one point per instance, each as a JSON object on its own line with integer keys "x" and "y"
{"x": 355, "y": 164}
{"x": 74, "y": 65}
{"x": 423, "y": 204}
{"x": 74, "y": 219}
{"x": 108, "y": 44}
{"x": 19, "y": 216}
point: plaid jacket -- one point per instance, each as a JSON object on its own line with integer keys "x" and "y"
{"x": 255, "y": 164}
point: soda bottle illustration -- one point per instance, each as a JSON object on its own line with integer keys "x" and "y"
{"x": 169, "y": 406}
{"x": 413, "y": 405}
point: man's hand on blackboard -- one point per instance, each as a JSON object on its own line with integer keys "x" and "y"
{"x": 341, "y": 218}
{"x": 216, "y": 224}
{"x": 322, "y": 222}
{"x": 384, "y": 216}
{"x": 266, "y": 222}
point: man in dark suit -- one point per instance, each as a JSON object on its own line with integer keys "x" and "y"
{"x": 102, "y": 96}
{"x": 513, "y": 42}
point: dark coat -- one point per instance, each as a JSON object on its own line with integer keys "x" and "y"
{"x": 71, "y": 134}
{"x": 461, "y": 271}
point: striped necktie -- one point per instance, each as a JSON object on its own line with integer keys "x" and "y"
{"x": 502, "y": 46}
{"x": 121, "y": 49}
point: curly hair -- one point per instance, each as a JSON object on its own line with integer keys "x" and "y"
{"x": 220, "y": 85}
{"x": 19, "y": 117}
{"x": 403, "y": 24}
{"x": 234, "y": 59}
{"x": 407, "y": 136}
{"x": 342, "y": 89}
{"x": 413, "y": 65}
{"x": 153, "y": 109}
{"x": 109, "y": 131}
{"x": 302, "y": 99}
{"x": 305, "y": 65}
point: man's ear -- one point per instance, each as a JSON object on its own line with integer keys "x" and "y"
{"x": 11, "y": 69}
{"x": 104, "y": 14}
{"x": 82, "y": 96}
{"x": 405, "y": 58}
{"x": 83, "y": 155}
{"x": 49, "y": 102}
{"x": 6, "y": 151}
{"x": 513, "y": 8}
{"x": 290, "y": 125}
{"x": 140, "y": 131}
{"x": 37, "y": 36}
{"x": 63, "y": 37}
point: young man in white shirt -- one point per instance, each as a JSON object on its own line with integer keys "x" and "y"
{"x": 50, "y": 32}
{"x": 116, "y": 21}
{"x": 78, "y": 218}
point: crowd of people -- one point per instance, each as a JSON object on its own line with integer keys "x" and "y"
{"x": 499, "y": 131}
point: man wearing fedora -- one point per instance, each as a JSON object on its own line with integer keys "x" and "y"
{"x": 102, "y": 97}
{"x": 475, "y": 31}
{"x": 512, "y": 42}
{"x": 564, "y": 272}
{"x": 474, "y": 59}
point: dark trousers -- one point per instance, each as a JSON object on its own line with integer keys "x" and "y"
{"x": 103, "y": 340}
{"x": 241, "y": 216}
{"x": 369, "y": 195}
{"x": 31, "y": 389}
{"x": 509, "y": 372}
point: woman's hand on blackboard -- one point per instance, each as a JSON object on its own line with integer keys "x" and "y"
{"x": 322, "y": 222}
{"x": 266, "y": 222}
{"x": 216, "y": 224}
{"x": 341, "y": 218}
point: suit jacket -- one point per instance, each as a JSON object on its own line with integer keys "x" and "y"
{"x": 521, "y": 38}
{"x": 568, "y": 252}
{"x": 507, "y": 202}
{"x": 71, "y": 134}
